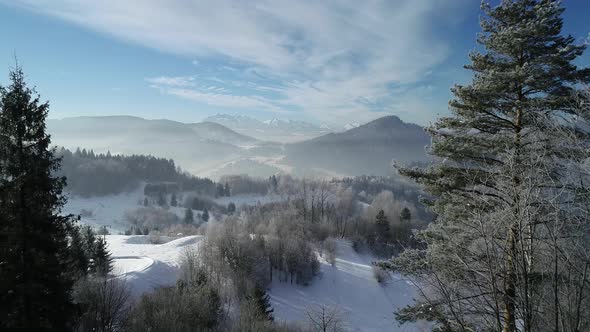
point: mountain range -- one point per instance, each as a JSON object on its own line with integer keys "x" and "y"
{"x": 216, "y": 147}
{"x": 283, "y": 131}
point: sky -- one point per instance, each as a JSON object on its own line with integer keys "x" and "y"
{"x": 328, "y": 62}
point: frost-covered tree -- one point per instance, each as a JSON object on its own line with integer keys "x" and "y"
{"x": 506, "y": 251}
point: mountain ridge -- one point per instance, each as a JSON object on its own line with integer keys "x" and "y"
{"x": 205, "y": 147}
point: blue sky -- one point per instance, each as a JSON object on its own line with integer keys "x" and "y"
{"x": 331, "y": 62}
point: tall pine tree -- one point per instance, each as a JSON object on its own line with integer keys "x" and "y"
{"x": 35, "y": 272}
{"x": 508, "y": 189}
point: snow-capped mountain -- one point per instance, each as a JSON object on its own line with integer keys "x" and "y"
{"x": 350, "y": 126}
{"x": 270, "y": 130}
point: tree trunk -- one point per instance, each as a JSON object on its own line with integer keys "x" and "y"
{"x": 510, "y": 282}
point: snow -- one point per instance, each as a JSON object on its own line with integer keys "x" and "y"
{"x": 353, "y": 125}
{"x": 249, "y": 199}
{"x": 105, "y": 210}
{"x": 349, "y": 286}
{"x": 145, "y": 266}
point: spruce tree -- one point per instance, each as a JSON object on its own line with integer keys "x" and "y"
{"x": 102, "y": 260}
{"x": 188, "y": 216}
{"x": 261, "y": 301}
{"x": 382, "y": 228}
{"x": 79, "y": 258}
{"x": 205, "y": 215}
{"x": 173, "y": 201}
{"x": 35, "y": 271}
{"x": 506, "y": 183}
{"x": 89, "y": 240}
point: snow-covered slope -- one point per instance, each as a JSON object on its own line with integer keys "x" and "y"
{"x": 145, "y": 266}
{"x": 105, "y": 210}
{"x": 349, "y": 286}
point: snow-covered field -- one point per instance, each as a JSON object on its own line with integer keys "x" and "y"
{"x": 349, "y": 286}
{"x": 105, "y": 210}
{"x": 110, "y": 210}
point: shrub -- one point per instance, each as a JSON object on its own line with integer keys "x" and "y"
{"x": 330, "y": 248}
{"x": 382, "y": 276}
{"x": 185, "y": 307}
{"x": 105, "y": 304}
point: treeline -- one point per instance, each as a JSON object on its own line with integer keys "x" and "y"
{"x": 345, "y": 209}
{"x": 90, "y": 174}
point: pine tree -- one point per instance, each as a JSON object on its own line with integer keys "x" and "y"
{"x": 79, "y": 257}
{"x": 205, "y": 215}
{"x": 103, "y": 262}
{"x": 35, "y": 273}
{"x": 382, "y": 227}
{"x": 503, "y": 184}
{"x": 188, "y": 216}
{"x": 173, "y": 201}
{"x": 89, "y": 239}
{"x": 261, "y": 301}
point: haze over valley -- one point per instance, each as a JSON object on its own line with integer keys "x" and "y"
{"x": 211, "y": 148}
{"x": 295, "y": 166}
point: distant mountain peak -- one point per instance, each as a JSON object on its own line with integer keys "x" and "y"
{"x": 275, "y": 129}
{"x": 352, "y": 125}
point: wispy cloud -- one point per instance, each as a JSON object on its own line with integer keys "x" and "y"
{"x": 333, "y": 60}
{"x": 172, "y": 81}
{"x": 212, "y": 94}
